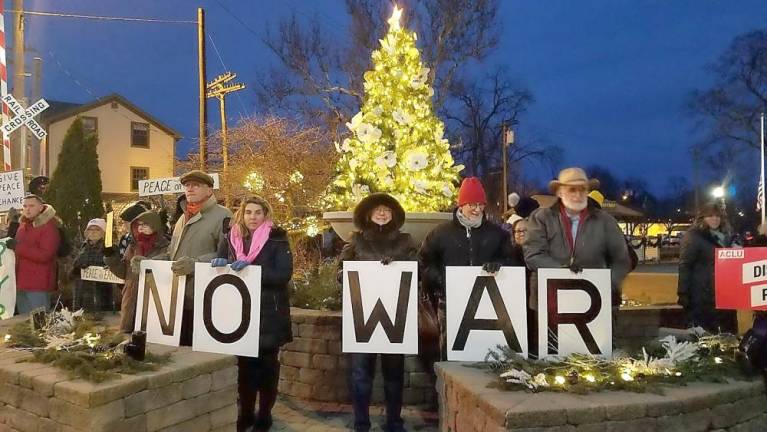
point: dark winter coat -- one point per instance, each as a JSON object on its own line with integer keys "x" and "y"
{"x": 120, "y": 266}
{"x": 452, "y": 244}
{"x": 37, "y": 243}
{"x": 599, "y": 244}
{"x": 276, "y": 263}
{"x": 372, "y": 242}
{"x": 696, "y": 274}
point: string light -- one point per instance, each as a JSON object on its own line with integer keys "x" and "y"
{"x": 559, "y": 379}
{"x": 590, "y": 378}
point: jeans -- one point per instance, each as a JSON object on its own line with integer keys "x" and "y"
{"x": 363, "y": 366}
{"x": 27, "y": 301}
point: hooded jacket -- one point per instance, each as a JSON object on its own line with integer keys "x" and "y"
{"x": 695, "y": 288}
{"x": 599, "y": 244}
{"x": 452, "y": 244}
{"x": 37, "y": 243}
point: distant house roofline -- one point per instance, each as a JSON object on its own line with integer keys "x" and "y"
{"x": 67, "y": 110}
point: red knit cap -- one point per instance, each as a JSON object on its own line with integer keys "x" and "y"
{"x": 471, "y": 192}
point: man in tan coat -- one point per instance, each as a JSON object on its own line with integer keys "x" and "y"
{"x": 195, "y": 238}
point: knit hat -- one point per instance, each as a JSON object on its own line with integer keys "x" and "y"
{"x": 132, "y": 212}
{"x": 198, "y": 176}
{"x": 36, "y": 183}
{"x": 471, "y": 191}
{"x": 98, "y": 222}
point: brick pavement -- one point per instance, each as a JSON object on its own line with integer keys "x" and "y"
{"x": 298, "y": 415}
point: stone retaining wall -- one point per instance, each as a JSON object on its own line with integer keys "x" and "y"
{"x": 313, "y": 366}
{"x": 195, "y": 392}
{"x": 467, "y": 404}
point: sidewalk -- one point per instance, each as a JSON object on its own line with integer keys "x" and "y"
{"x": 304, "y": 416}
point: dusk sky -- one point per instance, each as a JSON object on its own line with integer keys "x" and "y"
{"x": 609, "y": 77}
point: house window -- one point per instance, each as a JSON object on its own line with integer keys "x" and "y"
{"x": 139, "y": 134}
{"x": 90, "y": 125}
{"x": 136, "y": 174}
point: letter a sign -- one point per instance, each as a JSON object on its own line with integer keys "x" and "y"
{"x": 380, "y": 307}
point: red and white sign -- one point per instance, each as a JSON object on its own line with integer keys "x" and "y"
{"x": 740, "y": 277}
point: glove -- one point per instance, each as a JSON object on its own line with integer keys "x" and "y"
{"x": 219, "y": 262}
{"x": 491, "y": 267}
{"x": 386, "y": 260}
{"x": 239, "y": 265}
{"x": 183, "y": 266}
{"x": 11, "y": 243}
{"x": 135, "y": 263}
{"x": 109, "y": 251}
{"x": 576, "y": 268}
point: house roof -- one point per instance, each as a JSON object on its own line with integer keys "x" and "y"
{"x": 61, "y": 110}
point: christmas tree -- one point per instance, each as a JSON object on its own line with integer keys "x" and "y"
{"x": 397, "y": 143}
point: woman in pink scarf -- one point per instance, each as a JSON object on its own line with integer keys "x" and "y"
{"x": 254, "y": 240}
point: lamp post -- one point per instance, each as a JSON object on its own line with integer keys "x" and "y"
{"x": 719, "y": 193}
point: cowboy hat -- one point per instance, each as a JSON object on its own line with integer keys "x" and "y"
{"x": 573, "y": 177}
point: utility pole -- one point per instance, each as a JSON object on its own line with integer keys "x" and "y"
{"x": 203, "y": 102}
{"x": 19, "y": 76}
{"x": 507, "y": 139}
{"x": 217, "y": 89}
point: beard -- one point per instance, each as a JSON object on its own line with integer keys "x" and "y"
{"x": 573, "y": 205}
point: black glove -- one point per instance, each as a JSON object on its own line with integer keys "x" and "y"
{"x": 576, "y": 268}
{"x": 386, "y": 260}
{"x": 11, "y": 243}
{"x": 491, "y": 267}
{"x": 683, "y": 301}
{"x": 110, "y": 251}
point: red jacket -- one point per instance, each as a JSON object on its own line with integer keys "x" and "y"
{"x": 37, "y": 244}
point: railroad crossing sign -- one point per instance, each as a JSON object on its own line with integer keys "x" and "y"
{"x": 24, "y": 117}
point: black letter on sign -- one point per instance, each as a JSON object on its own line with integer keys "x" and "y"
{"x": 469, "y": 323}
{"x": 364, "y": 330}
{"x": 764, "y": 294}
{"x": 167, "y": 327}
{"x": 207, "y": 307}
{"x": 578, "y": 319}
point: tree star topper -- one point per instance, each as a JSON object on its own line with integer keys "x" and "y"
{"x": 395, "y": 16}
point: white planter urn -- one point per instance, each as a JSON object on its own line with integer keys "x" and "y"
{"x": 416, "y": 224}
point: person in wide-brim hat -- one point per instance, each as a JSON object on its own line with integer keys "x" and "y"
{"x": 573, "y": 177}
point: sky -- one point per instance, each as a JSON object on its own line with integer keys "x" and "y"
{"x": 610, "y": 78}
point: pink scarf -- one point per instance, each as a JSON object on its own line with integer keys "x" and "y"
{"x": 257, "y": 241}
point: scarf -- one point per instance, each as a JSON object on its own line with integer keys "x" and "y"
{"x": 194, "y": 208}
{"x": 145, "y": 243}
{"x": 257, "y": 241}
{"x": 568, "y": 224}
{"x": 719, "y": 237}
{"x": 463, "y": 220}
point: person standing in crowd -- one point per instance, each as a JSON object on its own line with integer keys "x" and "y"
{"x": 92, "y": 296}
{"x": 13, "y": 222}
{"x": 195, "y": 238}
{"x": 253, "y": 239}
{"x": 35, "y": 244}
{"x": 575, "y": 233}
{"x": 378, "y": 218}
{"x": 695, "y": 289}
{"x": 468, "y": 240}
{"x": 127, "y": 216}
{"x": 39, "y": 185}
{"x": 146, "y": 241}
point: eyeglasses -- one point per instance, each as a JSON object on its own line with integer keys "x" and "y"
{"x": 475, "y": 206}
{"x": 520, "y": 232}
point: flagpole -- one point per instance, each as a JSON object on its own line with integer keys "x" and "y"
{"x": 764, "y": 204}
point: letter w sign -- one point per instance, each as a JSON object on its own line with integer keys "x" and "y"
{"x": 380, "y": 307}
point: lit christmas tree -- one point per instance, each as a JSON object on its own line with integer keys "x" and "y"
{"x": 396, "y": 143}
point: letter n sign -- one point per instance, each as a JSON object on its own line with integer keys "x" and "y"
{"x": 380, "y": 307}
{"x": 227, "y": 308}
{"x": 574, "y": 312}
{"x": 160, "y": 302}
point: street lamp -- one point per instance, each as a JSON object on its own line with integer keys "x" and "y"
{"x": 718, "y": 192}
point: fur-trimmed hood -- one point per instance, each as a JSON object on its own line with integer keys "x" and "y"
{"x": 362, "y": 212}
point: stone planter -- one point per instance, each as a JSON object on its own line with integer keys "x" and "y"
{"x": 416, "y": 224}
{"x": 313, "y": 366}
{"x": 468, "y": 404}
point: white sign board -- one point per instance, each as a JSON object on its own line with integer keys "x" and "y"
{"x": 7, "y": 281}
{"x": 484, "y": 311}
{"x": 168, "y": 185}
{"x": 99, "y": 274}
{"x": 380, "y": 307}
{"x": 160, "y": 302}
{"x": 574, "y": 312}
{"x": 24, "y": 116}
{"x": 11, "y": 190}
{"x": 227, "y": 308}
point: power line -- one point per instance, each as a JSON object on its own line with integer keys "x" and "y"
{"x": 236, "y": 18}
{"x": 220, "y": 59}
{"x": 105, "y": 18}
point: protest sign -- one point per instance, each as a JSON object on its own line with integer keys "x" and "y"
{"x": 168, "y": 185}
{"x": 740, "y": 278}
{"x": 7, "y": 281}
{"x": 160, "y": 302}
{"x": 11, "y": 190}
{"x": 99, "y": 274}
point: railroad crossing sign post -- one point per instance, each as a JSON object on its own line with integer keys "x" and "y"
{"x": 24, "y": 117}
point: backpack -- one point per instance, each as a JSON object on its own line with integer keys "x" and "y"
{"x": 65, "y": 243}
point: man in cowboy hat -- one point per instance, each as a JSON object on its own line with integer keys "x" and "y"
{"x": 575, "y": 233}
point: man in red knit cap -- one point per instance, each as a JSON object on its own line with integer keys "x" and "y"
{"x": 467, "y": 240}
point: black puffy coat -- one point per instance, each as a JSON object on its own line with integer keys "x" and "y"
{"x": 452, "y": 244}
{"x": 373, "y": 242}
{"x": 276, "y": 263}
{"x": 696, "y": 278}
